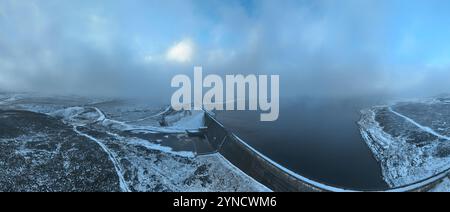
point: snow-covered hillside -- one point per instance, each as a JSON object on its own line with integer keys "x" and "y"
{"x": 411, "y": 139}
{"x": 81, "y": 144}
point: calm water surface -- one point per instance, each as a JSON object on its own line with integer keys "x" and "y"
{"x": 318, "y": 139}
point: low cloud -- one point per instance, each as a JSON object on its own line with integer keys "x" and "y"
{"x": 181, "y": 52}
{"x": 319, "y": 48}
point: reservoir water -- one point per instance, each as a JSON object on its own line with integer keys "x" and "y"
{"x": 316, "y": 138}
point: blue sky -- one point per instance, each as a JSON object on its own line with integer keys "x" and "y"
{"x": 420, "y": 31}
{"x": 319, "y": 47}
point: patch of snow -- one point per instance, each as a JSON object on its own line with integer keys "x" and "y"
{"x": 444, "y": 186}
{"x": 119, "y": 170}
{"x": 260, "y": 187}
{"x": 101, "y": 116}
{"x": 402, "y": 163}
{"x": 424, "y": 128}
{"x": 67, "y": 113}
{"x": 152, "y": 146}
{"x": 194, "y": 121}
{"x": 81, "y": 116}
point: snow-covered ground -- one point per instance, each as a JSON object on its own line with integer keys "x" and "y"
{"x": 444, "y": 186}
{"x": 410, "y": 139}
{"x": 81, "y": 144}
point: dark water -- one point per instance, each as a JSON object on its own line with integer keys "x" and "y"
{"x": 316, "y": 138}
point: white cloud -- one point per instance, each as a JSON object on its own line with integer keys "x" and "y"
{"x": 181, "y": 52}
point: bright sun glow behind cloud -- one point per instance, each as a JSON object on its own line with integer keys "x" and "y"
{"x": 181, "y": 52}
